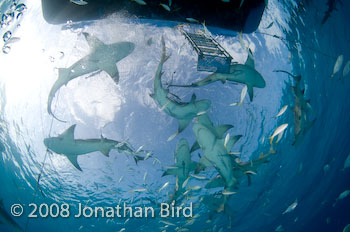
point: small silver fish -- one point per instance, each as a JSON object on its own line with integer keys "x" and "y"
{"x": 167, "y": 223}
{"x": 166, "y": 7}
{"x": 198, "y": 177}
{"x": 228, "y": 193}
{"x": 172, "y": 136}
{"x": 343, "y": 195}
{"x": 337, "y": 65}
{"x": 227, "y": 138}
{"x": 347, "y": 162}
{"x": 139, "y": 149}
{"x": 140, "y": 2}
{"x": 279, "y": 228}
{"x": 163, "y": 187}
{"x": 346, "y": 69}
{"x": 281, "y": 112}
{"x": 291, "y": 207}
{"x": 197, "y": 187}
{"x": 279, "y": 130}
{"x": 137, "y": 190}
{"x": 192, "y": 20}
{"x": 185, "y": 182}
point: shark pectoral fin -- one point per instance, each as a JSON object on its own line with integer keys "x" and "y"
{"x": 105, "y": 152}
{"x": 74, "y": 160}
{"x": 92, "y": 40}
{"x": 69, "y": 133}
{"x": 183, "y": 123}
{"x": 171, "y": 171}
{"x": 193, "y": 166}
{"x": 250, "y": 92}
{"x": 194, "y": 147}
{"x": 216, "y": 182}
{"x": 110, "y": 68}
{"x": 232, "y": 141}
{"x": 250, "y": 60}
{"x": 221, "y": 130}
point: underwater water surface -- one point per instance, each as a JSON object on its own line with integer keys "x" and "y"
{"x": 303, "y": 185}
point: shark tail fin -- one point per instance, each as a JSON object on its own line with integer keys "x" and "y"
{"x": 105, "y": 152}
{"x": 63, "y": 72}
{"x": 164, "y": 56}
{"x": 138, "y": 158}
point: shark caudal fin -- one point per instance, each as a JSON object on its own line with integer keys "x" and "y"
{"x": 137, "y": 158}
{"x": 63, "y": 74}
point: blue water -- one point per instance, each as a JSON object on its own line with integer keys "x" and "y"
{"x": 126, "y": 112}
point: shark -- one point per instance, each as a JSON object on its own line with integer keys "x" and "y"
{"x": 301, "y": 109}
{"x": 216, "y": 153}
{"x": 247, "y": 168}
{"x": 217, "y": 204}
{"x": 7, "y": 220}
{"x": 183, "y": 166}
{"x": 184, "y": 112}
{"x": 102, "y": 57}
{"x": 240, "y": 73}
{"x": 65, "y": 144}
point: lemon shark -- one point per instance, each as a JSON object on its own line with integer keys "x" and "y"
{"x": 301, "y": 109}
{"x": 6, "y": 219}
{"x": 184, "y": 112}
{"x": 242, "y": 169}
{"x": 216, "y": 153}
{"x": 183, "y": 166}
{"x": 65, "y": 144}
{"x": 102, "y": 57}
{"x": 240, "y": 73}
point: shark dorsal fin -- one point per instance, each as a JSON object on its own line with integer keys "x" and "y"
{"x": 92, "y": 40}
{"x": 221, "y": 130}
{"x": 193, "y": 98}
{"x": 69, "y": 133}
{"x": 250, "y": 59}
{"x": 74, "y": 160}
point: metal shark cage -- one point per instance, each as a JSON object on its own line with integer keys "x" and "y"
{"x": 212, "y": 57}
